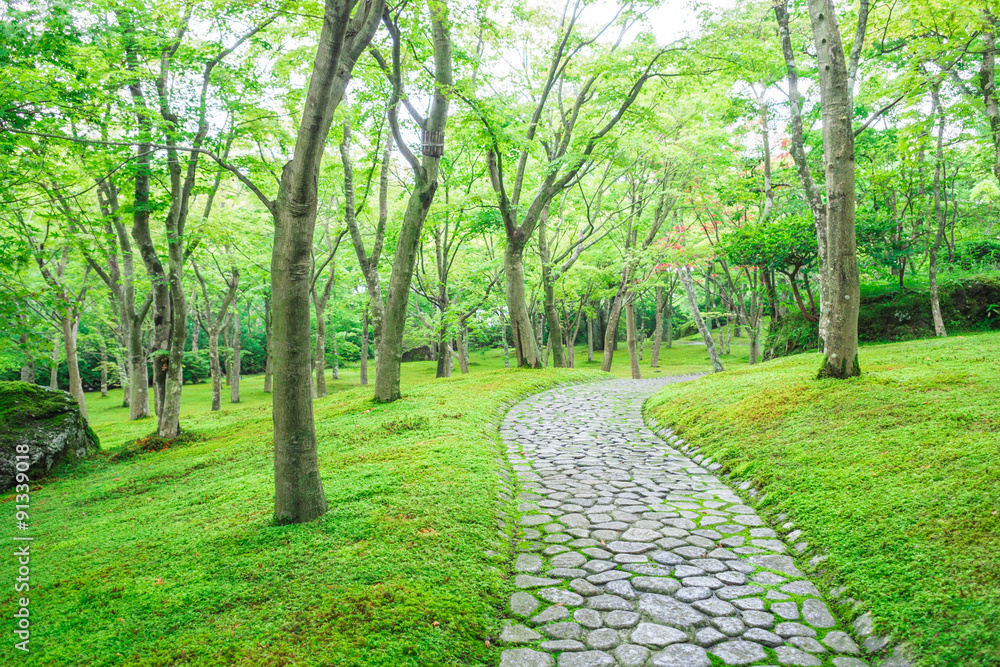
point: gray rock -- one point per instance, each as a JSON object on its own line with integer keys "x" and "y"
{"x": 630, "y": 655}
{"x": 528, "y": 563}
{"x": 586, "y": 659}
{"x": 875, "y": 643}
{"x": 733, "y": 592}
{"x": 525, "y": 657}
{"x": 48, "y": 422}
{"x": 902, "y": 656}
{"x": 682, "y": 655}
{"x": 640, "y": 535}
{"x": 692, "y": 593}
{"x": 656, "y": 636}
{"x": 588, "y": 618}
{"x": 620, "y": 547}
{"x": 562, "y": 645}
{"x": 738, "y": 652}
{"x": 849, "y": 662}
{"x": 764, "y": 637}
{"x": 567, "y": 630}
{"x": 608, "y": 603}
{"x": 758, "y": 619}
{"x": 750, "y": 603}
{"x": 568, "y": 559}
{"x": 668, "y": 611}
{"x": 610, "y": 575}
{"x": 603, "y": 639}
{"x": 786, "y": 610}
{"x": 566, "y": 572}
{"x": 704, "y": 582}
{"x": 708, "y": 636}
{"x": 840, "y": 642}
{"x": 794, "y": 630}
{"x": 801, "y": 588}
{"x": 864, "y": 625}
{"x": 783, "y": 564}
{"x": 714, "y": 607}
{"x": 528, "y": 581}
{"x": 661, "y": 585}
{"x": 767, "y": 578}
{"x": 560, "y": 596}
{"x": 622, "y": 588}
{"x": 729, "y": 625}
{"x": 584, "y": 587}
{"x": 523, "y": 604}
{"x": 515, "y": 633}
{"x": 621, "y": 619}
{"x": 793, "y": 656}
{"x": 816, "y": 614}
{"x": 553, "y": 613}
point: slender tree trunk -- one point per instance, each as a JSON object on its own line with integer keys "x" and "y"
{"x": 611, "y": 333}
{"x": 706, "y": 335}
{"x": 503, "y": 342}
{"x": 54, "y": 364}
{"x": 939, "y": 215}
{"x": 28, "y": 367}
{"x": 104, "y": 364}
{"x": 443, "y": 334}
{"x": 269, "y": 361}
{"x": 215, "y": 368}
{"x": 363, "y": 362}
{"x": 319, "y": 362}
{"x": 590, "y": 338}
{"x": 463, "y": 347}
{"x": 654, "y": 353}
{"x": 630, "y": 333}
{"x": 70, "y": 326}
{"x": 236, "y": 365}
{"x": 670, "y": 318}
{"x": 335, "y": 373}
{"x": 138, "y": 386}
{"x": 840, "y": 270}
{"x": 549, "y": 298}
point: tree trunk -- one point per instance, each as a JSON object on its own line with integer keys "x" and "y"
{"x": 236, "y": 365}
{"x": 463, "y": 347}
{"x": 335, "y": 371}
{"x": 363, "y": 362}
{"x": 525, "y": 346}
{"x": 840, "y": 270}
{"x": 138, "y": 385}
{"x": 590, "y": 338}
{"x": 654, "y": 353}
{"x": 70, "y": 326}
{"x": 215, "y": 368}
{"x": 443, "y": 349}
{"x": 611, "y": 333}
{"x": 706, "y": 336}
{"x": 319, "y": 362}
{"x": 269, "y": 360}
{"x": 54, "y": 364}
{"x": 670, "y": 318}
{"x": 630, "y": 333}
{"x": 549, "y": 298}
{"x": 503, "y": 342}
{"x": 939, "y": 216}
{"x": 104, "y": 364}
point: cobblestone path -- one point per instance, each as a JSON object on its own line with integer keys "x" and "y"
{"x": 631, "y": 554}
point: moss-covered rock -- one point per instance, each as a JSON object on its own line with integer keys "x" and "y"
{"x": 44, "y": 425}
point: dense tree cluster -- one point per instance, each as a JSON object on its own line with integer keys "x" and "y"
{"x": 184, "y": 182}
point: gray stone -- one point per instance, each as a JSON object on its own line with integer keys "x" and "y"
{"x": 661, "y": 585}
{"x": 733, "y": 592}
{"x": 562, "y": 645}
{"x": 640, "y": 535}
{"x": 732, "y": 578}
{"x": 816, "y": 614}
{"x": 584, "y": 587}
{"x": 738, "y": 652}
{"x": 608, "y": 603}
{"x": 706, "y": 582}
{"x": 875, "y": 643}
{"x": 515, "y": 633}
{"x": 692, "y": 593}
{"x": 849, "y": 662}
{"x": 786, "y": 610}
{"x": 656, "y": 636}
{"x": 621, "y": 619}
{"x": 528, "y": 581}
{"x": 526, "y": 657}
{"x": 682, "y": 655}
{"x": 764, "y": 637}
{"x": 566, "y": 572}
{"x": 620, "y": 547}
{"x": 801, "y": 588}
{"x": 767, "y": 578}
{"x": 568, "y": 559}
{"x": 560, "y": 596}
{"x": 668, "y": 611}
{"x": 553, "y": 613}
{"x": 864, "y": 625}
{"x": 605, "y": 577}
{"x": 523, "y": 604}
{"x": 603, "y": 639}
{"x": 714, "y": 607}
{"x": 586, "y": 659}
{"x": 783, "y": 564}
{"x": 807, "y": 644}
{"x": 708, "y": 636}
{"x": 622, "y": 588}
{"x": 535, "y": 519}
{"x": 794, "y": 630}
{"x": 793, "y": 656}
{"x": 595, "y": 552}
{"x": 729, "y": 625}
{"x": 630, "y": 655}
{"x": 758, "y": 619}
{"x": 568, "y": 630}
{"x": 528, "y": 563}
{"x": 840, "y": 642}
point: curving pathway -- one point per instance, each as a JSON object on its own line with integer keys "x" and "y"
{"x": 630, "y": 554}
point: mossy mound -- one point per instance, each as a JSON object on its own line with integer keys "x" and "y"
{"x": 44, "y": 425}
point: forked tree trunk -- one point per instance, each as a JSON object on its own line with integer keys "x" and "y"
{"x": 525, "y": 344}
{"x": 706, "y": 335}
{"x": 630, "y": 334}
{"x": 611, "y": 333}
{"x": 840, "y": 270}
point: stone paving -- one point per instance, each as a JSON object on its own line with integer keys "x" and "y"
{"x": 630, "y": 554}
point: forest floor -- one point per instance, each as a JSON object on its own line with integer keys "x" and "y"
{"x": 894, "y": 476}
{"x": 170, "y": 557}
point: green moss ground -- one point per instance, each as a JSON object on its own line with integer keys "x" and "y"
{"x": 894, "y": 474}
{"x": 170, "y": 557}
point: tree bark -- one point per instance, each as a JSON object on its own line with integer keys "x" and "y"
{"x": 841, "y": 279}
{"x": 939, "y": 215}
{"x": 611, "y": 332}
{"x": 549, "y": 299}
{"x": 590, "y": 337}
{"x": 269, "y": 361}
{"x": 236, "y": 364}
{"x": 630, "y": 333}
{"x": 104, "y": 363}
{"x": 706, "y": 335}
{"x": 363, "y": 362}
{"x": 654, "y": 353}
{"x": 54, "y": 364}
{"x": 70, "y": 327}
{"x": 525, "y": 345}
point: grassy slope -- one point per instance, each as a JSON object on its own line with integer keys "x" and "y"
{"x": 170, "y": 558}
{"x": 896, "y": 475}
